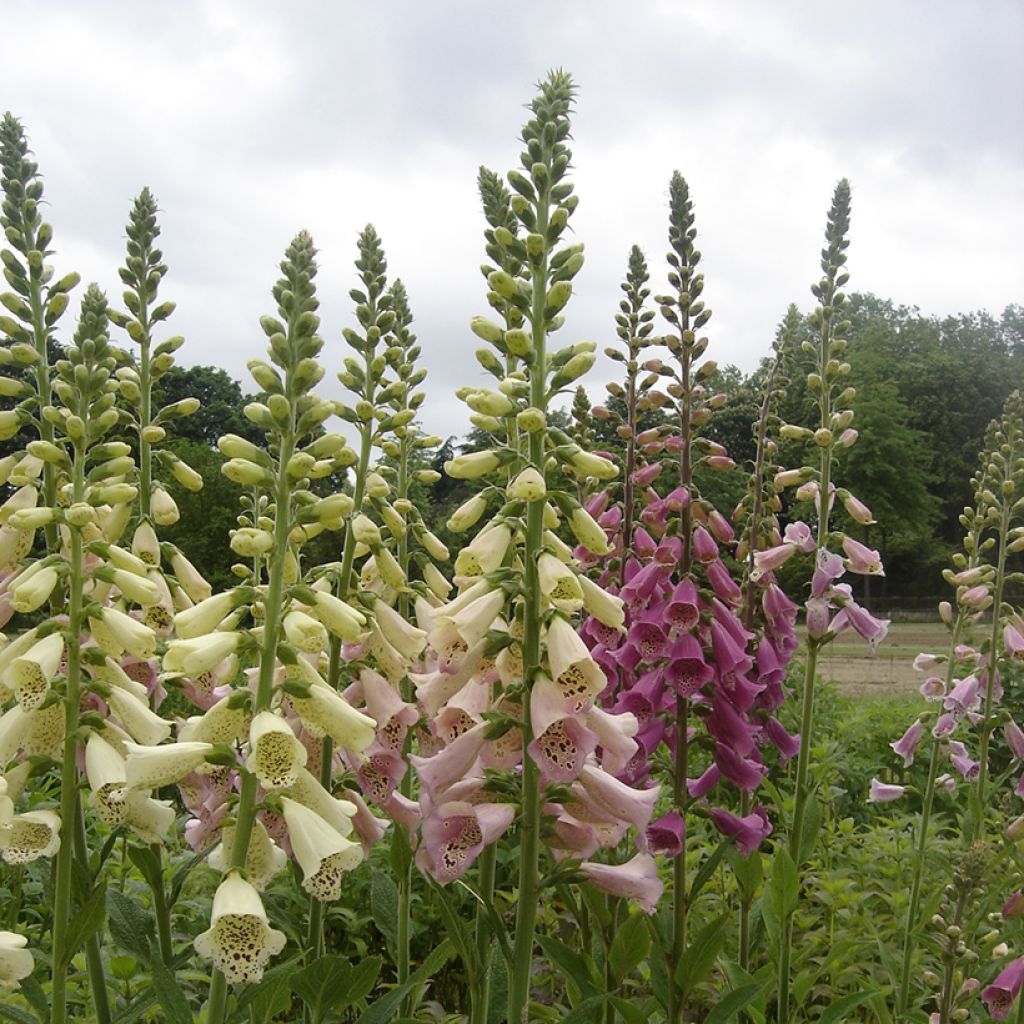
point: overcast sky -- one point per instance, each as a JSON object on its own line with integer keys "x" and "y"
{"x": 251, "y": 119}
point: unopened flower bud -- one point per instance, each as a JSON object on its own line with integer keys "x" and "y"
{"x": 527, "y": 486}
{"x": 531, "y": 420}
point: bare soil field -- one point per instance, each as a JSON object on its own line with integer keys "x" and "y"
{"x": 890, "y": 670}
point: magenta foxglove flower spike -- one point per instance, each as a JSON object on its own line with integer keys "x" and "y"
{"x": 748, "y": 832}
{"x": 637, "y": 879}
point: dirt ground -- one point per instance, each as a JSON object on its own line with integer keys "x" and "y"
{"x": 890, "y": 670}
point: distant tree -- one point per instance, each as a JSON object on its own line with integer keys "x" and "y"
{"x": 221, "y": 403}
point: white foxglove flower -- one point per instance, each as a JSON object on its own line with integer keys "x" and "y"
{"x": 14, "y": 729}
{"x": 30, "y": 674}
{"x": 436, "y": 581}
{"x": 239, "y": 941}
{"x": 337, "y": 813}
{"x": 145, "y": 545}
{"x": 304, "y": 632}
{"x": 559, "y": 584}
{"x": 341, "y": 619}
{"x": 15, "y": 960}
{"x": 140, "y": 589}
{"x": 105, "y": 770}
{"x": 326, "y": 712}
{"x": 275, "y": 753}
{"x": 33, "y": 591}
{"x": 151, "y": 820}
{"x": 190, "y": 578}
{"x": 29, "y": 836}
{"x": 606, "y": 608}
{"x": 142, "y": 724}
{"x": 218, "y": 724}
{"x": 115, "y": 628}
{"x": 407, "y": 639}
{"x": 46, "y": 728}
{"x": 264, "y": 861}
{"x": 323, "y": 854}
{"x": 201, "y": 653}
{"x": 163, "y": 508}
{"x": 573, "y": 670}
{"x": 485, "y": 553}
{"x": 150, "y": 767}
{"x": 206, "y": 616}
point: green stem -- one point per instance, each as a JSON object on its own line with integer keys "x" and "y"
{"x": 246, "y": 810}
{"x": 93, "y": 952}
{"x": 480, "y": 1003}
{"x": 529, "y": 827}
{"x": 69, "y": 781}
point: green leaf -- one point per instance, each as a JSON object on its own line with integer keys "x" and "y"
{"x": 707, "y": 869}
{"x": 148, "y": 864}
{"x": 270, "y": 996}
{"x": 497, "y": 1008}
{"x": 168, "y": 993}
{"x": 182, "y": 873}
{"x": 331, "y": 983}
{"x": 578, "y": 968}
{"x": 837, "y": 1011}
{"x": 361, "y": 981}
{"x": 811, "y": 827}
{"x": 37, "y": 999}
{"x": 749, "y": 871}
{"x": 382, "y": 1011}
{"x": 700, "y": 955}
{"x": 631, "y": 1013}
{"x": 21, "y": 1016}
{"x": 131, "y": 927}
{"x": 86, "y": 922}
{"x": 384, "y": 907}
{"x": 730, "y": 1004}
{"x": 583, "y": 1014}
{"x": 784, "y": 888}
{"x": 459, "y": 935}
{"x": 630, "y": 946}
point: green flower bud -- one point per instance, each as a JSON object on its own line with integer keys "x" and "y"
{"x": 531, "y": 420}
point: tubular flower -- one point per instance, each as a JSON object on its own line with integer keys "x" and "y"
{"x": 239, "y": 941}
{"x": 15, "y": 960}
{"x": 455, "y": 833}
{"x": 275, "y": 753}
{"x": 637, "y": 880}
{"x": 264, "y": 860}
{"x": 322, "y": 852}
{"x": 153, "y": 767}
{"x": 27, "y": 837}
{"x": 105, "y": 770}
{"x": 30, "y": 674}
{"x": 326, "y": 713}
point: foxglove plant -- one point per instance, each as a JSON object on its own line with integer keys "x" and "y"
{"x": 288, "y": 708}
{"x": 688, "y": 657}
{"x": 831, "y": 608}
{"x": 509, "y": 627}
{"x": 964, "y": 700}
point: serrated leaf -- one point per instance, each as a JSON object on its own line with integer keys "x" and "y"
{"x": 168, "y": 993}
{"x": 361, "y": 981}
{"x": 700, "y": 955}
{"x": 811, "y": 827}
{"x": 267, "y": 997}
{"x": 86, "y": 922}
{"x": 732, "y": 1002}
{"x": 497, "y": 1008}
{"x": 630, "y": 946}
{"x": 323, "y": 985}
{"x": 578, "y": 968}
{"x": 707, "y": 869}
{"x": 784, "y": 887}
{"x": 382, "y": 1011}
{"x": 384, "y": 907}
{"x": 838, "y": 1009}
{"x": 131, "y": 927}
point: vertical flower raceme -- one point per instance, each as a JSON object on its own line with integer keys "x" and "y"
{"x": 962, "y": 704}
{"x": 274, "y": 626}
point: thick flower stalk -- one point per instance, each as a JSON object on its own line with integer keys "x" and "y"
{"x": 267, "y": 730}
{"x": 963, "y": 686}
{"x": 690, "y": 663}
{"x": 509, "y": 682}
{"x": 831, "y": 608}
